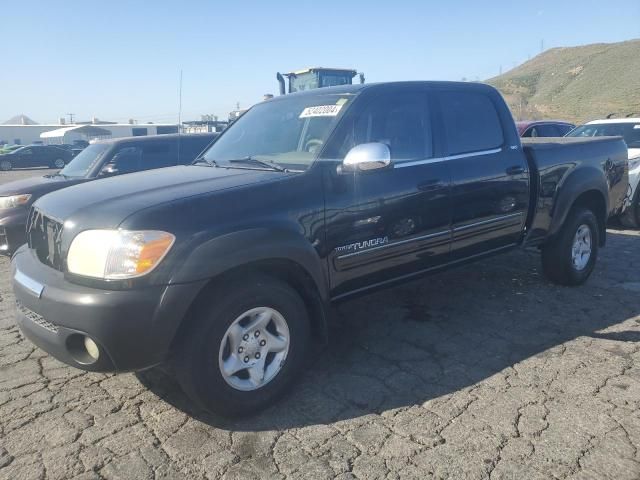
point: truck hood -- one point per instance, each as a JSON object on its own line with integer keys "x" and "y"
{"x": 37, "y": 186}
{"x": 106, "y": 203}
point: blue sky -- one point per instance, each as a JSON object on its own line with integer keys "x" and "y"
{"x": 121, "y": 59}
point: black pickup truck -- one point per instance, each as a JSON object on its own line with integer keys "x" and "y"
{"x": 227, "y": 269}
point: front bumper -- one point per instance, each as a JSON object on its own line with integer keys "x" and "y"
{"x": 133, "y": 329}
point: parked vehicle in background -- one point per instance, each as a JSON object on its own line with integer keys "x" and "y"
{"x": 71, "y": 148}
{"x": 543, "y": 128}
{"x": 227, "y": 268}
{"x": 102, "y": 159}
{"x": 629, "y": 130}
{"x": 35, "y": 156}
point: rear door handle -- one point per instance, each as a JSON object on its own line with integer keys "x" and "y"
{"x": 515, "y": 170}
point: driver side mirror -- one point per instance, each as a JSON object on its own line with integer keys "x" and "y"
{"x": 109, "y": 170}
{"x": 367, "y": 156}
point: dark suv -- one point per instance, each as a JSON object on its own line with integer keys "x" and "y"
{"x": 106, "y": 158}
{"x": 35, "y": 156}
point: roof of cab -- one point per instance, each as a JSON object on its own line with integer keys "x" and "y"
{"x": 357, "y": 88}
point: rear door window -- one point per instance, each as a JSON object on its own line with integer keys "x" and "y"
{"x": 471, "y": 122}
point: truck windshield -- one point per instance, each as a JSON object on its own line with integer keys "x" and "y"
{"x": 85, "y": 160}
{"x": 289, "y": 132}
{"x": 627, "y": 130}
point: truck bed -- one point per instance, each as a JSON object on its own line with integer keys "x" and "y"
{"x": 554, "y": 160}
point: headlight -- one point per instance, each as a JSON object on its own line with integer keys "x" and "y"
{"x": 14, "y": 201}
{"x": 117, "y": 254}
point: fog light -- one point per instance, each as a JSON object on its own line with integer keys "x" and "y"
{"x": 92, "y": 348}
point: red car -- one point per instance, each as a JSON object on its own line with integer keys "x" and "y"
{"x": 544, "y": 128}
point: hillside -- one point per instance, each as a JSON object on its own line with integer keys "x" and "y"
{"x": 576, "y": 83}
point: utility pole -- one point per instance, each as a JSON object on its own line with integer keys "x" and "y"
{"x": 71, "y": 117}
{"x": 542, "y": 45}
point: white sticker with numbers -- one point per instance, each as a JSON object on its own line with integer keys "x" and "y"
{"x": 321, "y": 111}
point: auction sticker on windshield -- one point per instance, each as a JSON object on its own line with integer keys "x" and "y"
{"x": 321, "y": 111}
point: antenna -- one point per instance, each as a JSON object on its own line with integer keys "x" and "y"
{"x": 180, "y": 102}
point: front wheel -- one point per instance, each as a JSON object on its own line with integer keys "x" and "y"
{"x": 5, "y": 165}
{"x": 569, "y": 258}
{"x": 246, "y": 345}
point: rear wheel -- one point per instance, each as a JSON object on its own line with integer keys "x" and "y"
{"x": 5, "y": 165}
{"x": 245, "y": 347}
{"x": 58, "y": 163}
{"x": 569, "y": 258}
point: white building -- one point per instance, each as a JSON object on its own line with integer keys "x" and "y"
{"x": 25, "y": 134}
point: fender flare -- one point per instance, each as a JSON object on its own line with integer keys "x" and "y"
{"x": 580, "y": 181}
{"x": 215, "y": 256}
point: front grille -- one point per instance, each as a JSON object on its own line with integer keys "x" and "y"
{"x": 44, "y": 235}
{"x": 36, "y": 318}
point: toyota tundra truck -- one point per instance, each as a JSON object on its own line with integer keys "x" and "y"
{"x": 226, "y": 270}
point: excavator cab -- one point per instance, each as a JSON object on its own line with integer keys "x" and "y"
{"x": 316, "y": 77}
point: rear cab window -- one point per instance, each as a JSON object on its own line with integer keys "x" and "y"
{"x": 471, "y": 122}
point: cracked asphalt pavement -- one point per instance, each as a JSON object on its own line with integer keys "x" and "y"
{"x": 484, "y": 371}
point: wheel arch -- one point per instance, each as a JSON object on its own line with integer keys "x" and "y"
{"x": 283, "y": 269}
{"x": 586, "y": 188}
{"x": 281, "y": 254}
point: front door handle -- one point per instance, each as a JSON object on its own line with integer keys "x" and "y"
{"x": 515, "y": 170}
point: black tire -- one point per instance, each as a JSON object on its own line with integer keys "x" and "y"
{"x": 195, "y": 361}
{"x": 630, "y": 218}
{"x": 5, "y": 165}
{"x": 557, "y": 262}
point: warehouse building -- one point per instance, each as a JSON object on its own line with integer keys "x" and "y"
{"x": 21, "y": 130}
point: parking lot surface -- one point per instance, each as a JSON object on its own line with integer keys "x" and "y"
{"x": 484, "y": 371}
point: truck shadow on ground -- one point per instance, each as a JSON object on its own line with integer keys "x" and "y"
{"x": 435, "y": 336}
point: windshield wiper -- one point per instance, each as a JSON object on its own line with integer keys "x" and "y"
{"x": 204, "y": 161}
{"x": 261, "y": 163}
{"x": 57, "y": 174}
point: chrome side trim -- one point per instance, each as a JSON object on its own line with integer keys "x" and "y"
{"x": 444, "y": 159}
{"x": 486, "y": 222}
{"x": 29, "y": 283}
{"x": 389, "y": 245}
